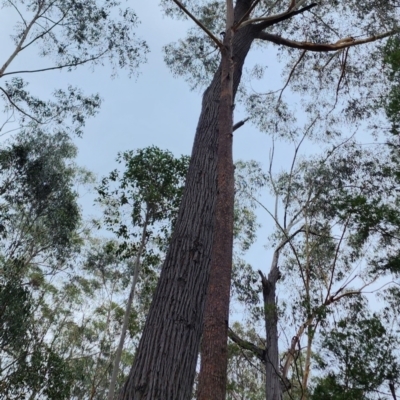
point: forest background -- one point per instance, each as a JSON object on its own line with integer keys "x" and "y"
{"x": 151, "y": 109}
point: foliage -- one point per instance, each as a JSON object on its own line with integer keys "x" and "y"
{"x": 151, "y": 184}
{"x": 357, "y": 358}
{"x": 391, "y": 58}
{"x": 246, "y": 378}
{"x": 337, "y": 235}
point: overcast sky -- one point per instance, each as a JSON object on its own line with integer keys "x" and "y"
{"x": 154, "y": 109}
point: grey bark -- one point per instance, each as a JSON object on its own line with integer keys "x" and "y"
{"x": 273, "y": 377}
{"x": 128, "y": 309}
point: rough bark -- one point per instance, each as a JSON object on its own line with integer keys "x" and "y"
{"x": 214, "y": 348}
{"x": 165, "y": 363}
{"x": 273, "y": 378}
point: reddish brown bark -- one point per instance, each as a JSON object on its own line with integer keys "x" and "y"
{"x": 165, "y": 364}
{"x": 214, "y": 350}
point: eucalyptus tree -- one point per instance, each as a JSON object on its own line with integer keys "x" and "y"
{"x": 336, "y": 239}
{"x": 140, "y": 206}
{"x": 40, "y": 220}
{"x": 358, "y": 358}
{"x": 66, "y": 34}
{"x": 319, "y": 45}
{"x": 391, "y": 102}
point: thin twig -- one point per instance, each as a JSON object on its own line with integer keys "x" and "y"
{"x": 291, "y": 74}
{"x": 75, "y": 64}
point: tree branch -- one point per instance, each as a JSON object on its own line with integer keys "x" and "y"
{"x": 392, "y": 390}
{"x": 20, "y": 43}
{"x": 274, "y": 19}
{"x": 246, "y": 14}
{"x": 18, "y": 108}
{"x": 246, "y": 345}
{"x": 197, "y": 22}
{"x": 239, "y": 124}
{"x": 75, "y": 64}
{"x": 291, "y": 74}
{"x": 322, "y": 47}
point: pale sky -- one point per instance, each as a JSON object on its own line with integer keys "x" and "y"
{"x": 154, "y": 109}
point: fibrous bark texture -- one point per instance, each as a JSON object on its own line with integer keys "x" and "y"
{"x": 165, "y": 363}
{"x": 214, "y": 349}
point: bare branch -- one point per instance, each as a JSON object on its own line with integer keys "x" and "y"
{"x": 296, "y": 150}
{"x": 19, "y": 13}
{"x": 18, "y": 108}
{"x": 392, "y": 390}
{"x": 75, "y": 64}
{"x": 239, "y": 124}
{"x": 291, "y": 74}
{"x": 265, "y": 22}
{"x": 322, "y": 47}
{"x": 335, "y": 259}
{"x": 197, "y": 22}
{"x": 292, "y": 5}
{"x": 45, "y": 32}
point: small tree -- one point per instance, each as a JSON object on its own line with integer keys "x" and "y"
{"x": 339, "y": 215}
{"x": 140, "y": 207}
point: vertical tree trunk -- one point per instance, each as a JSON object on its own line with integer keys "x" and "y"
{"x": 128, "y": 308}
{"x": 214, "y": 349}
{"x": 165, "y": 362}
{"x": 273, "y": 379}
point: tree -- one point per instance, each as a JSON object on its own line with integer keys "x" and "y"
{"x": 391, "y": 102}
{"x": 162, "y": 369}
{"x": 147, "y": 198}
{"x": 40, "y": 219}
{"x": 358, "y": 357}
{"x": 339, "y": 215}
{"x": 69, "y": 34}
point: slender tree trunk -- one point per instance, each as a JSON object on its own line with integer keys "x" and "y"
{"x": 165, "y": 362}
{"x": 128, "y": 308}
{"x": 307, "y": 366}
{"x": 273, "y": 379}
{"x": 214, "y": 349}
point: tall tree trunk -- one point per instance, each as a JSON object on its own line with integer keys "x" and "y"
{"x": 273, "y": 378}
{"x": 165, "y": 362}
{"x": 128, "y": 308}
{"x": 214, "y": 346}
